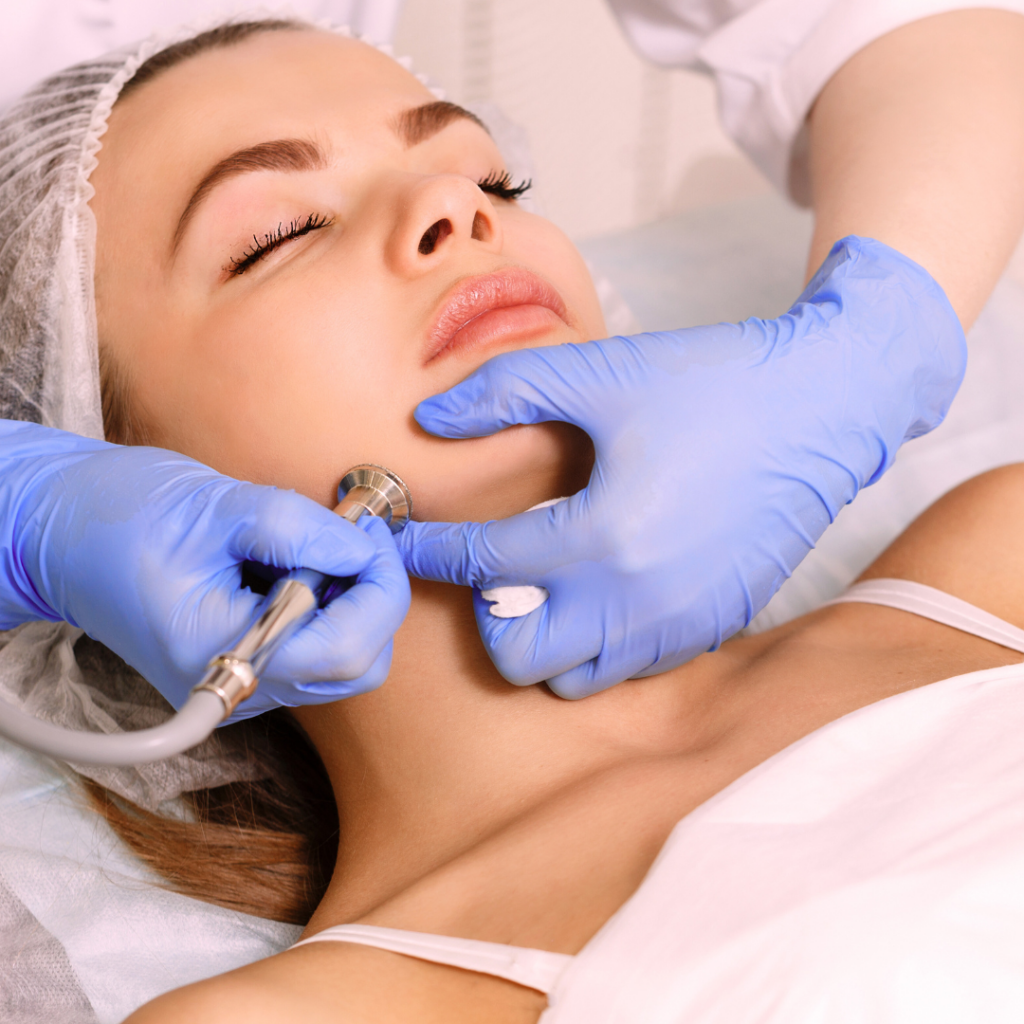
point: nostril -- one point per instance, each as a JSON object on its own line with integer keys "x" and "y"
{"x": 434, "y": 235}
{"x": 481, "y": 229}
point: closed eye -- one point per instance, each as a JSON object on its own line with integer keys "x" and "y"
{"x": 500, "y": 185}
{"x": 262, "y": 247}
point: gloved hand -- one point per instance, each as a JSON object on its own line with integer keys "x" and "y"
{"x": 722, "y": 454}
{"x": 143, "y": 549}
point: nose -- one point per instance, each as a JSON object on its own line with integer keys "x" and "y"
{"x": 437, "y": 216}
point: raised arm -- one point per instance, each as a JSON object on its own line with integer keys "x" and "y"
{"x": 918, "y": 141}
{"x": 724, "y": 452}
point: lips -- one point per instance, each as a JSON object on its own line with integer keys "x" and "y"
{"x": 492, "y": 308}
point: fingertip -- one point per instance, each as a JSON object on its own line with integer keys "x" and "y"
{"x": 329, "y": 690}
{"x": 289, "y": 531}
{"x": 572, "y": 689}
{"x": 406, "y": 540}
{"x": 588, "y": 678}
{"x": 377, "y": 530}
{"x": 433, "y": 409}
{"x": 439, "y": 551}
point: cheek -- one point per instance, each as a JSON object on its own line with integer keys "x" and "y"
{"x": 494, "y": 477}
{"x": 289, "y": 388}
{"x": 539, "y": 245}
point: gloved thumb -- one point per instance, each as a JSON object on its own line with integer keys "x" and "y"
{"x": 440, "y": 551}
{"x": 535, "y": 385}
{"x": 504, "y": 552}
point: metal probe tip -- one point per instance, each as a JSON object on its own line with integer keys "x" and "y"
{"x": 377, "y": 490}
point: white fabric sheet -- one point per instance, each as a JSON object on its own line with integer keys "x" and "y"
{"x": 770, "y": 58}
{"x": 118, "y": 939}
{"x": 871, "y": 873}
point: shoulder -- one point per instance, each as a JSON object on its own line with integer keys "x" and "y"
{"x": 277, "y": 990}
{"x": 340, "y": 983}
{"x": 221, "y": 1000}
{"x": 970, "y": 544}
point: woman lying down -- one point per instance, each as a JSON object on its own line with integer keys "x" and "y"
{"x": 291, "y": 232}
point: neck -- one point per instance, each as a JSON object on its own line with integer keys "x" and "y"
{"x": 447, "y": 753}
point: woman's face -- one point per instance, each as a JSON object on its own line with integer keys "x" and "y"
{"x": 286, "y": 360}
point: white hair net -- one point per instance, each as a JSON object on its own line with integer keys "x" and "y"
{"x": 49, "y": 373}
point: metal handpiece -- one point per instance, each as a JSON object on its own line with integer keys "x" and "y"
{"x": 234, "y": 674}
{"x": 294, "y": 599}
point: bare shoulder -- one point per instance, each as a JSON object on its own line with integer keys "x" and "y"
{"x": 970, "y": 543}
{"x": 241, "y": 995}
{"x": 339, "y": 983}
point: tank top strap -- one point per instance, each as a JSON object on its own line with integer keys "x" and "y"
{"x": 532, "y": 968}
{"x": 937, "y": 605}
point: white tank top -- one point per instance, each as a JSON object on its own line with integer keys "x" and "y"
{"x": 537, "y": 968}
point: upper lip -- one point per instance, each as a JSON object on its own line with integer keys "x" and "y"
{"x": 473, "y": 296}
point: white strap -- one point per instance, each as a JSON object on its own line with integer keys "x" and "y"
{"x": 533, "y": 968}
{"x": 937, "y": 605}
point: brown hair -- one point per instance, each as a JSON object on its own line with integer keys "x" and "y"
{"x": 266, "y": 847}
{"x": 122, "y": 423}
{"x": 228, "y": 34}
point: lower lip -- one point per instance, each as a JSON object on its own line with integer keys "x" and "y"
{"x": 499, "y": 326}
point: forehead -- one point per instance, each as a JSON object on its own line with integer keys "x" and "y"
{"x": 275, "y": 84}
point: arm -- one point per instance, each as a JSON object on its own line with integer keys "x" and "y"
{"x": 918, "y": 141}
{"x": 724, "y": 453}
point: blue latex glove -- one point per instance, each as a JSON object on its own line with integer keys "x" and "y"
{"x": 143, "y": 549}
{"x": 722, "y": 454}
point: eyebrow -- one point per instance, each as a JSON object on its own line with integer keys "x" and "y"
{"x": 418, "y": 124}
{"x": 277, "y": 155}
{"x": 412, "y": 126}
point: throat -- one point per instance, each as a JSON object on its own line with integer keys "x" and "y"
{"x": 447, "y": 756}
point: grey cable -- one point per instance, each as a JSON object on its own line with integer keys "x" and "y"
{"x": 198, "y": 717}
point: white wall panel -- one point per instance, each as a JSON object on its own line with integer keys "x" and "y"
{"x": 616, "y": 141}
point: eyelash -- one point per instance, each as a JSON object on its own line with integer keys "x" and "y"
{"x": 495, "y": 184}
{"x": 271, "y": 241}
{"x": 500, "y": 185}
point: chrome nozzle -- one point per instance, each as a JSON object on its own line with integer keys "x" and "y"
{"x": 378, "y": 491}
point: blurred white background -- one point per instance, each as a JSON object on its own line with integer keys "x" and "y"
{"x": 617, "y": 142}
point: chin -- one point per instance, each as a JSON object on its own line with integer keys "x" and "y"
{"x": 506, "y": 473}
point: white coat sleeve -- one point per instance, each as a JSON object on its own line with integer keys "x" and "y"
{"x": 771, "y": 58}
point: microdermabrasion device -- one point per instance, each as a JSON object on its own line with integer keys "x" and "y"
{"x": 233, "y": 675}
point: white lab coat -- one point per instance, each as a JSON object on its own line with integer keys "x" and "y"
{"x": 770, "y": 58}
{"x": 42, "y": 36}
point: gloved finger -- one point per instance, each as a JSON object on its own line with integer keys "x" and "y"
{"x": 526, "y": 386}
{"x": 440, "y": 551}
{"x": 504, "y": 552}
{"x": 203, "y": 621}
{"x": 533, "y": 648}
{"x": 613, "y": 666}
{"x": 339, "y": 689}
{"x": 590, "y": 677}
{"x": 345, "y": 639}
{"x": 315, "y": 693}
{"x": 291, "y": 531}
